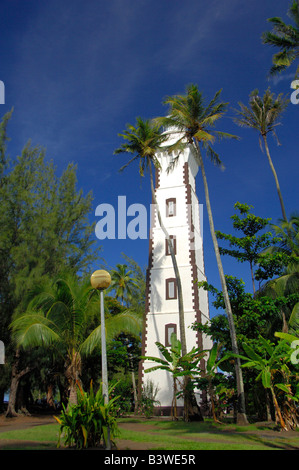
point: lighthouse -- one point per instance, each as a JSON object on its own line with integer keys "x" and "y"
{"x": 180, "y": 210}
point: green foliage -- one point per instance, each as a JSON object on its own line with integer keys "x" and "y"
{"x": 195, "y": 120}
{"x": 144, "y": 140}
{"x": 123, "y": 283}
{"x": 137, "y": 299}
{"x": 249, "y": 247}
{"x": 262, "y": 112}
{"x": 85, "y": 424}
{"x": 273, "y": 364}
{"x": 44, "y": 230}
{"x": 148, "y": 399}
{"x": 286, "y": 38}
{"x": 174, "y": 362}
{"x": 177, "y": 364}
{"x": 59, "y": 317}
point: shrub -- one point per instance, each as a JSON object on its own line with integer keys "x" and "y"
{"x": 85, "y": 424}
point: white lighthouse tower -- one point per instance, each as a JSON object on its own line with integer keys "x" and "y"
{"x": 180, "y": 211}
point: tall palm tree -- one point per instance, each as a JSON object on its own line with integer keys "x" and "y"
{"x": 122, "y": 282}
{"x": 59, "y": 315}
{"x": 262, "y": 115}
{"x": 192, "y": 121}
{"x": 286, "y": 38}
{"x": 144, "y": 141}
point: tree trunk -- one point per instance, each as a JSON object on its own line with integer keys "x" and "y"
{"x": 252, "y": 277}
{"x": 268, "y": 408}
{"x": 241, "y": 414}
{"x": 192, "y": 411}
{"x": 134, "y": 392}
{"x": 279, "y": 417}
{"x": 72, "y": 374}
{"x": 16, "y": 376}
{"x": 131, "y": 365}
{"x": 174, "y": 410}
{"x": 50, "y": 395}
{"x": 212, "y": 398}
{"x": 276, "y": 179}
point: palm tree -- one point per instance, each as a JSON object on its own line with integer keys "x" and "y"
{"x": 144, "y": 141}
{"x": 286, "y": 38}
{"x": 193, "y": 121}
{"x": 122, "y": 282}
{"x": 262, "y": 115}
{"x": 59, "y": 315}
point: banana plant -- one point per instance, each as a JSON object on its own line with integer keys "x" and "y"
{"x": 274, "y": 361}
{"x": 211, "y": 370}
{"x": 176, "y": 364}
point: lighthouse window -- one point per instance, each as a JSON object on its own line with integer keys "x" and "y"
{"x": 170, "y": 207}
{"x": 167, "y": 249}
{"x": 171, "y": 289}
{"x": 169, "y": 329}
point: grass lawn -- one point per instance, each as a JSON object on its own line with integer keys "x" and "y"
{"x": 171, "y": 435}
{"x": 154, "y": 434}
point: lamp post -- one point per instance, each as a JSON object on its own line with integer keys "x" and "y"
{"x": 100, "y": 280}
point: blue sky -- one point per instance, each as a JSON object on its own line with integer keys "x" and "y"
{"x": 77, "y": 71}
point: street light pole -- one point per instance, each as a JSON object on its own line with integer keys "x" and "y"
{"x": 101, "y": 280}
{"x": 104, "y": 353}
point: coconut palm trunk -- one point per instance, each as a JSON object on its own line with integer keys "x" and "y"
{"x": 72, "y": 374}
{"x": 241, "y": 418}
{"x": 275, "y": 177}
{"x": 262, "y": 115}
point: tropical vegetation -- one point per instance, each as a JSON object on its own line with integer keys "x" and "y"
{"x": 50, "y": 315}
{"x": 286, "y": 38}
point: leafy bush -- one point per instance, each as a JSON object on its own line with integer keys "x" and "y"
{"x": 148, "y": 399}
{"x": 84, "y": 425}
{"x": 122, "y": 388}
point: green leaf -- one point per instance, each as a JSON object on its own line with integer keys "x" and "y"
{"x": 286, "y": 336}
{"x": 266, "y": 377}
{"x": 266, "y": 345}
{"x": 151, "y": 369}
{"x": 283, "y": 387}
{"x": 85, "y": 435}
{"x": 212, "y": 357}
{"x": 251, "y": 353}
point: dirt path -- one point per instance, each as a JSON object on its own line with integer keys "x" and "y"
{"x": 24, "y": 422}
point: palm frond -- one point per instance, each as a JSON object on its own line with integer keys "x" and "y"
{"x": 214, "y": 157}
{"x": 286, "y": 38}
{"x": 34, "y": 329}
